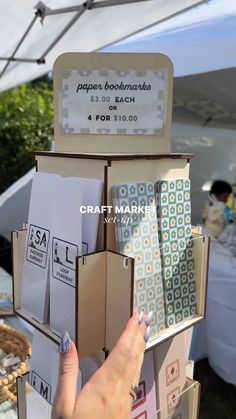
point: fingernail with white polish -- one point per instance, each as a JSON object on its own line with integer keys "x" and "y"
{"x": 65, "y": 345}
{"x": 140, "y": 317}
{"x": 149, "y": 318}
{"x": 147, "y": 334}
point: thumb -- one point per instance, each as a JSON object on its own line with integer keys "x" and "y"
{"x": 65, "y": 396}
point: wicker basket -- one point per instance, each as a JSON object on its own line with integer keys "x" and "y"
{"x": 12, "y": 341}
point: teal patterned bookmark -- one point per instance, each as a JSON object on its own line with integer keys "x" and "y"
{"x": 174, "y": 221}
{"x": 137, "y": 237}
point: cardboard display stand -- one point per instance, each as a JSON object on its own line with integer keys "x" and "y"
{"x": 102, "y": 293}
{"x": 113, "y": 123}
{"x": 32, "y": 405}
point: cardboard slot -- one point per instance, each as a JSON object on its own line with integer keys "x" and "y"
{"x": 25, "y": 392}
{"x": 194, "y": 391}
{"x": 120, "y": 172}
{"x": 30, "y": 404}
{"x": 18, "y": 255}
{"x": 201, "y": 256}
{"x": 22, "y": 395}
{"x": 119, "y": 296}
{"x": 190, "y": 397}
{"x": 104, "y": 279}
{"x": 114, "y": 170}
{"x": 104, "y": 295}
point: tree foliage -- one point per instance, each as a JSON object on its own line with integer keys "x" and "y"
{"x": 26, "y": 125}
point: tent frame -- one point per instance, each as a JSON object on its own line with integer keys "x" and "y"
{"x": 42, "y": 11}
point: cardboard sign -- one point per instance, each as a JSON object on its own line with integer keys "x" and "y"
{"x": 106, "y": 101}
{"x": 112, "y": 103}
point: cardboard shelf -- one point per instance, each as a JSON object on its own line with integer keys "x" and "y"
{"x": 189, "y": 397}
{"x": 104, "y": 280}
{"x": 30, "y": 401}
{"x": 113, "y": 170}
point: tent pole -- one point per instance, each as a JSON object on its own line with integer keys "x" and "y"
{"x": 22, "y": 60}
{"x": 83, "y": 8}
{"x": 47, "y": 11}
{"x": 18, "y": 45}
{"x": 114, "y": 3}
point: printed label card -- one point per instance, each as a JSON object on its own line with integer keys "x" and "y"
{"x": 137, "y": 237}
{"x": 174, "y": 225}
{"x": 66, "y": 231}
{"x": 170, "y": 373}
{"x": 44, "y": 367}
{"x": 35, "y": 279}
{"x": 107, "y": 101}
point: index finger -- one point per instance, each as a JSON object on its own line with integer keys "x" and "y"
{"x": 125, "y": 358}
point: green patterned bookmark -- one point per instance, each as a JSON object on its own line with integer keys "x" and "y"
{"x": 137, "y": 236}
{"x": 174, "y": 221}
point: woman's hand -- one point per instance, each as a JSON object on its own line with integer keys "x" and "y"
{"x": 107, "y": 393}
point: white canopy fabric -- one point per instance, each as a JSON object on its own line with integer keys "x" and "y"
{"x": 14, "y": 205}
{"x": 89, "y": 26}
{"x": 200, "y": 40}
{"x": 201, "y": 44}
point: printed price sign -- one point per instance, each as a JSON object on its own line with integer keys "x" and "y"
{"x": 114, "y": 101}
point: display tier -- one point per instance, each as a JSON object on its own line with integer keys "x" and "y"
{"x": 112, "y": 170}
{"x": 30, "y": 402}
{"x": 103, "y": 280}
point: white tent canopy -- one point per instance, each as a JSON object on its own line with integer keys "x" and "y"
{"x": 200, "y": 40}
{"x": 32, "y": 36}
{"x": 14, "y": 205}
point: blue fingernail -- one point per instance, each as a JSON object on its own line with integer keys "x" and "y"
{"x": 147, "y": 334}
{"x": 65, "y": 345}
{"x": 149, "y": 318}
{"x": 140, "y": 317}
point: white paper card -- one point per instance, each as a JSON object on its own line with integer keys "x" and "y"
{"x": 44, "y": 366}
{"x": 36, "y": 406}
{"x": 66, "y": 232}
{"x": 35, "y": 279}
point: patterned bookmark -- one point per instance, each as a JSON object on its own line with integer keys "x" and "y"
{"x": 174, "y": 221}
{"x": 137, "y": 237}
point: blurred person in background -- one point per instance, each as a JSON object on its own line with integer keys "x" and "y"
{"x": 217, "y": 214}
